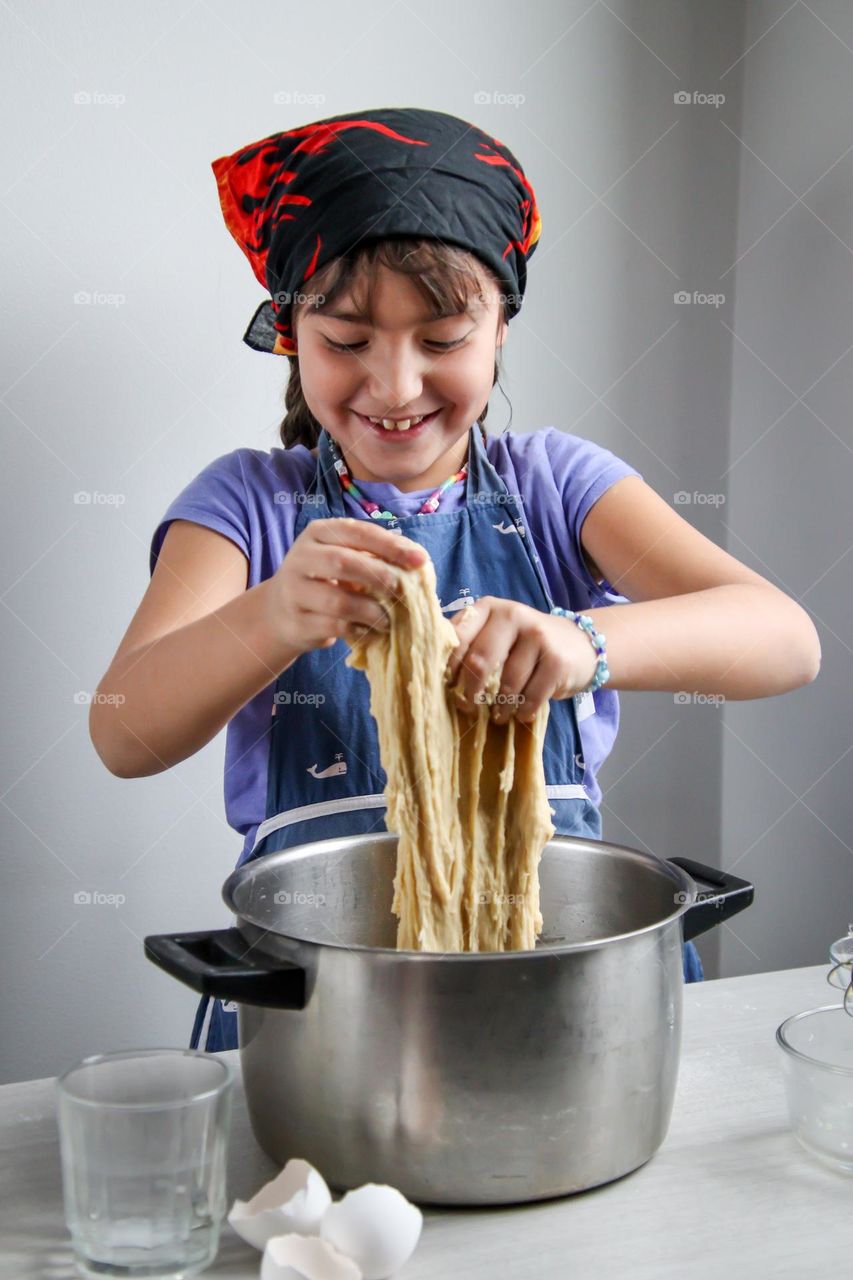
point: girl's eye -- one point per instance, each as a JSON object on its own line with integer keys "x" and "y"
{"x": 441, "y": 346}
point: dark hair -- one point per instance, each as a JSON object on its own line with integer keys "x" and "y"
{"x": 445, "y": 274}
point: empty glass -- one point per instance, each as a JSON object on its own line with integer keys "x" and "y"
{"x": 144, "y": 1137}
{"x": 817, "y": 1055}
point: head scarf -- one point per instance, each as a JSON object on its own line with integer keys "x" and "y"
{"x": 296, "y": 200}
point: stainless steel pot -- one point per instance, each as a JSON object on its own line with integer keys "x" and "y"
{"x": 463, "y": 1078}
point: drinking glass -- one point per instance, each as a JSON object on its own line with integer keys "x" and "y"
{"x": 143, "y": 1139}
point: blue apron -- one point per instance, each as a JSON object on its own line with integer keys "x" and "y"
{"x": 325, "y": 777}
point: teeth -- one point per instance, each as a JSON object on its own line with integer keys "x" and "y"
{"x": 403, "y": 425}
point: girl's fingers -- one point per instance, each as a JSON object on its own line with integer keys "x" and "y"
{"x": 353, "y": 568}
{"x": 488, "y": 653}
{"x": 365, "y": 535}
{"x": 517, "y": 672}
{"x": 346, "y": 606}
{"x": 468, "y": 623}
{"x": 355, "y": 632}
{"x": 541, "y": 686}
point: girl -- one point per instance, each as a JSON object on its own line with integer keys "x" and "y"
{"x": 394, "y": 244}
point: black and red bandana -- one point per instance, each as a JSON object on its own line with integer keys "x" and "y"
{"x": 298, "y": 199}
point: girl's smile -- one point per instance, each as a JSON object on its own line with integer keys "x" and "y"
{"x": 398, "y": 435}
{"x": 396, "y": 364}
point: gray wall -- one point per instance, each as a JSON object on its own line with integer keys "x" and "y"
{"x": 786, "y": 761}
{"x": 128, "y": 398}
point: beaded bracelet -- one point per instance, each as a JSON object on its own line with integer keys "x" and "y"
{"x": 597, "y": 638}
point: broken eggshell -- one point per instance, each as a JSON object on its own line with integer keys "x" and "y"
{"x": 296, "y": 1257}
{"x": 376, "y": 1226}
{"x": 294, "y": 1201}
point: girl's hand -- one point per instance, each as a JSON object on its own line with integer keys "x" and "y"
{"x": 323, "y": 586}
{"x": 542, "y": 656}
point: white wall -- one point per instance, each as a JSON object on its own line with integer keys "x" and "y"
{"x": 786, "y": 762}
{"x": 640, "y": 197}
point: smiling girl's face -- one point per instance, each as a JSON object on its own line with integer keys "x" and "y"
{"x": 399, "y": 363}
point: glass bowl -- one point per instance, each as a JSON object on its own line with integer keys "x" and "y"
{"x": 817, "y": 1062}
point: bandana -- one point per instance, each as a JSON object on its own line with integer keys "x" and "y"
{"x": 296, "y": 200}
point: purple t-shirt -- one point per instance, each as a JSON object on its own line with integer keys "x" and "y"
{"x": 253, "y": 498}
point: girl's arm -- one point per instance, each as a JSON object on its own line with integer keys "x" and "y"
{"x": 699, "y": 621}
{"x": 201, "y": 645}
{"x": 198, "y": 648}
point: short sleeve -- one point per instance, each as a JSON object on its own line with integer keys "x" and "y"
{"x": 217, "y": 499}
{"x": 583, "y": 471}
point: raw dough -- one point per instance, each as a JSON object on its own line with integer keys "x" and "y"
{"x": 466, "y": 797}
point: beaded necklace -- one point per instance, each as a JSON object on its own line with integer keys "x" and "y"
{"x": 372, "y": 508}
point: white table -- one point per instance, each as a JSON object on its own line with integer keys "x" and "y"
{"x": 729, "y": 1194}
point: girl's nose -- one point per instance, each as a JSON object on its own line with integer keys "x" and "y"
{"x": 395, "y": 382}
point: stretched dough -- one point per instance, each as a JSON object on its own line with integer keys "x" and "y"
{"x": 465, "y": 796}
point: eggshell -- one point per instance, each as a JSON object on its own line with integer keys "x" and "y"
{"x": 295, "y": 1257}
{"x": 376, "y": 1226}
{"x": 295, "y": 1200}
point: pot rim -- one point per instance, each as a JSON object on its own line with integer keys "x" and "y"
{"x": 685, "y": 887}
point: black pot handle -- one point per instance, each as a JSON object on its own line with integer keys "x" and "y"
{"x": 218, "y": 962}
{"x": 726, "y": 897}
